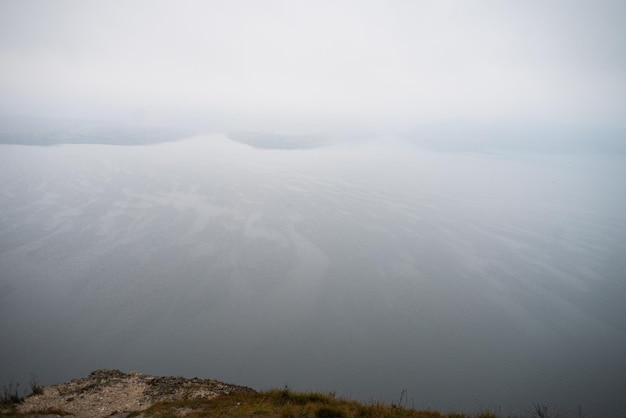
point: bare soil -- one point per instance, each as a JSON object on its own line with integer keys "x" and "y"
{"x": 112, "y": 393}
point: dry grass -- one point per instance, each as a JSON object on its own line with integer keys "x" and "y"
{"x": 289, "y": 404}
{"x": 277, "y": 403}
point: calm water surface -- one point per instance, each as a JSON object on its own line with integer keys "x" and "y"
{"x": 471, "y": 281}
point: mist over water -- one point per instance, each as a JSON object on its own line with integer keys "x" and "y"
{"x": 414, "y": 197}
{"x": 471, "y": 280}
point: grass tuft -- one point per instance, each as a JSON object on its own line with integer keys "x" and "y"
{"x": 9, "y": 396}
{"x": 35, "y": 387}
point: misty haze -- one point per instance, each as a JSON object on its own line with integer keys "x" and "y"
{"x": 354, "y": 218}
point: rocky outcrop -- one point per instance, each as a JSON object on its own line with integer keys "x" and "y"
{"x": 114, "y": 393}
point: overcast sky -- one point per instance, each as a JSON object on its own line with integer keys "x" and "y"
{"x": 399, "y": 62}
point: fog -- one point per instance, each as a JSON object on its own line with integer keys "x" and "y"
{"x": 392, "y": 65}
{"x": 360, "y": 197}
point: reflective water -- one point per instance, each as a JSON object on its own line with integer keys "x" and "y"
{"x": 471, "y": 281}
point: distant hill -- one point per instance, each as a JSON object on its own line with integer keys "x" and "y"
{"x": 45, "y": 131}
{"x": 279, "y": 139}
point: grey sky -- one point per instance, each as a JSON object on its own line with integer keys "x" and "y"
{"x": 393, "y": 62}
